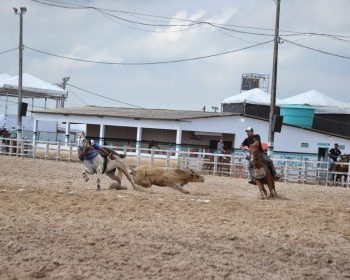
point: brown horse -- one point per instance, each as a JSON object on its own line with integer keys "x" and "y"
{"x": 342, "y": 166}
{"x": 260, "y": 172}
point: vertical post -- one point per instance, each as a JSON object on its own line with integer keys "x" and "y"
{"x": 178, "y": 141}
{"x": 31, "y": 113}
{"x": 138, "y": 144}
{"x": 138, "y": 138}
{"x": 232, "y": 165}
{"x": 285, "y": 171}
{"x": 70, "y": 152}
{"x": 102, "y": 134}
{"x": 20, "y": 70}
{"x": 47, "y": 150}
{"x": 215, "y": 169}
{"x": 152, "y": 157}
{"x": 348, "y": 179}
{"x": 35, "y": 130}
{"x": 35, "y": 144}
{"x": 58, "y": 151}
{"x": 274, "y": 80}
{"x": 167, "y": 158}
{"x": 66, "y": 135}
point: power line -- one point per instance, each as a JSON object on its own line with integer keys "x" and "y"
{"x": 317, "y": 50}
{"x": 78, "y": 97}
{"x": 66, "y": 5}
{"x": 141, "y": 29}
{"x": 10, "y": 50}
{"x": 149, "y": 63}
{"x": 121, "y": 18}
{"x": 103, "y": 96}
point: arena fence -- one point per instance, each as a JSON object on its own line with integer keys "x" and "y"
{"x": 295, "y": 171}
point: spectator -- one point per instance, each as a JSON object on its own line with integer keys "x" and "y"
{"x": 220, "y": 147}
{"x": 13, "y": 132}
{"x": 333, "y": 158}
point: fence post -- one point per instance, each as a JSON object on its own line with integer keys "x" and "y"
{"x": 327, "y": 173}
{"x": 348, "y": 179}
{"x": 232, "y": 165}
{"x": 70, "y": 151}
{"x": 285, "y": 171}
{"x": 215, "y": 169}
{"x": 305, "y": 172}
{"x": 138, "y": 155}
{"x": 34, "y": 148}
{"x": 152, "y": 156}
{"x": 58, "y": 151}
{"x": 22, "y": 148}
{"x": 11, "y": 147}
{"x": 167, "y": 158}
{"x": 47, "y": 150}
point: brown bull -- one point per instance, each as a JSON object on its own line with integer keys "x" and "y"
{"x": 175, "y": 178}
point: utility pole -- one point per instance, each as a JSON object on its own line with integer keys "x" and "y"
{"x": 274, "y": 80}
{"x": 21, "y": 12}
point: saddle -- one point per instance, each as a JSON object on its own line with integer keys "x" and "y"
{"x": 259, "y": 173}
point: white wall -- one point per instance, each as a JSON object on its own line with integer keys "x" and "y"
{"x": 289, "y": 140}
{"x": 28, "y": 123}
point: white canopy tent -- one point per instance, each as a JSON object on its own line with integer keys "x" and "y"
{"x": 31, "y": 87}
{"x": 322, "y": 103}
{"x": 253, "y": 96}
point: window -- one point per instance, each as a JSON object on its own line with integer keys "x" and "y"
{"x": 305, "y": 145}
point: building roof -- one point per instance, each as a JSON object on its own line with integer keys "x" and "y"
{"x": 253, "y": 96}
{"x": 32, "y": 86}
{"x": 134, "y": 113}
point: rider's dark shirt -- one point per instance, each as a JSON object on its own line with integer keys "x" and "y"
{"x": 334, "y": 153}
{"x": 251, "y": 139}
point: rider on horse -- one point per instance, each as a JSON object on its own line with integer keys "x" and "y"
{"x": 246, "y": 145}
{"x": 93, "y": 149}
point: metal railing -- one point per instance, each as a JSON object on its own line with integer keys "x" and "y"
{"x": 291, "y": 170}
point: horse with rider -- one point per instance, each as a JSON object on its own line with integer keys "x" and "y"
{"x": 101, "y": 160}
{"x": 261, "y": 168}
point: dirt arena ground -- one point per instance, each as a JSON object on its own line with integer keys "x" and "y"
{"x": 55, "y": 226}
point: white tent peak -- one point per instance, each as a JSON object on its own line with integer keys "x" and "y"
{"x": 313, "y": 98}
{"x": 29, "y": 81}
{"x": 253, "y": 96}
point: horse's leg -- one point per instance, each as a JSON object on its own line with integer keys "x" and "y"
{"x": 261, "y": 189}
{"x": 271, "y": 184}
{"x": 179, "y": 188}
{"x": 98, "y": 180}
{"x": 111, "y": 174}
{"x": 122, "y": 167}
{"x": 86, "y": 171}
{"x": 85, "y": 176}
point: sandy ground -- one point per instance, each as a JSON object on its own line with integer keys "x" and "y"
{"x": 55, "y": 226}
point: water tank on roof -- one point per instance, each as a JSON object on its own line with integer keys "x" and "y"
{"x": 299, "y": 115}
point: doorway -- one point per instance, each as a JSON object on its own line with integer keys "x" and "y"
{"x": 322, "y": 154}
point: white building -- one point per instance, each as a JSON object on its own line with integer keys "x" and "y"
{"x": 186, "y": 129}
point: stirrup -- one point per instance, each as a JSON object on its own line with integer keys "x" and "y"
{"x": 252, "y": 182}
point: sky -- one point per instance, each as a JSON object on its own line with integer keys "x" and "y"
{"x": 88, "y": 34}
